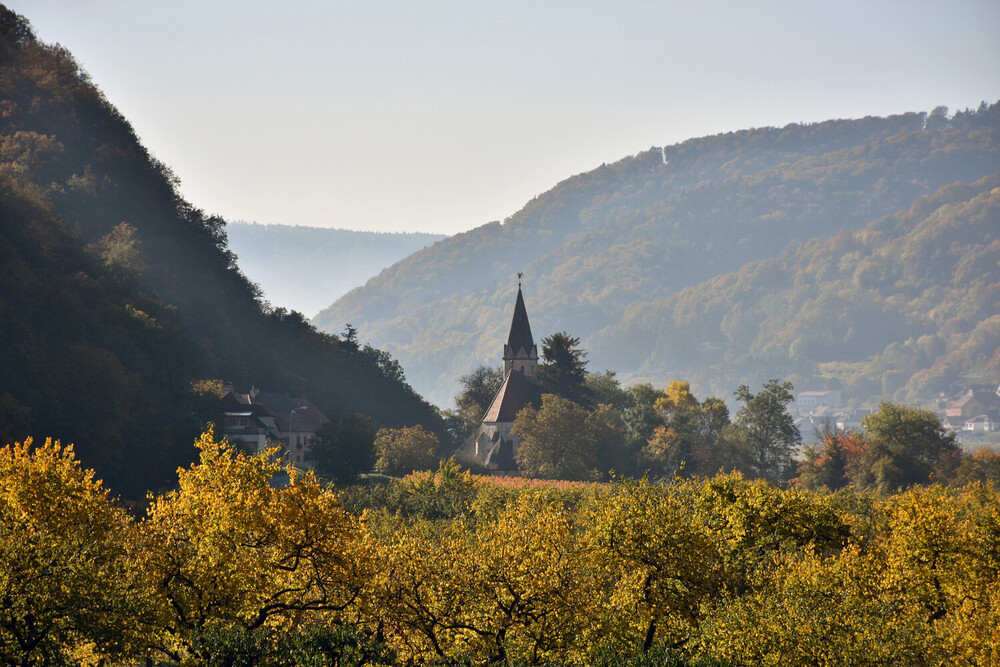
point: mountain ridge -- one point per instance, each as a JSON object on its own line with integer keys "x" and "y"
{"x": 120, "y": 298}
{"x": 302, "y": 268}
{"x": 639, "y": 228}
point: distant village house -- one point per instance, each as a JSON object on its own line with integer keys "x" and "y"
{"x": 258, "y": 420}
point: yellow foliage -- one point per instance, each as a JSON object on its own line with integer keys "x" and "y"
{"x": 66, "y": 581}
{"x": 665, "y": 564}
{"x": 724, "y": 568}
{"x": 230, "y": 548}
{"x": 519, "y": 586}
{"x": 677, "y": 397}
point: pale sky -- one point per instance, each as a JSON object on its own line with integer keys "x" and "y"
{"x": 440, "y": 116}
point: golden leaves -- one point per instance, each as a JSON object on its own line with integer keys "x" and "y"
{"x": 722, "y": 568}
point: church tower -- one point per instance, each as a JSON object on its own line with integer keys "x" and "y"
{"x": 520, "y": 354}
{"x": 493, "y": 445}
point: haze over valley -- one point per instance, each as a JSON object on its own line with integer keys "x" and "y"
{"x": 306, "y": 268}
{"x": 733, "y": 399}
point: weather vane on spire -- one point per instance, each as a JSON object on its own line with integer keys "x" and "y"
{"x": 519, "y": 274}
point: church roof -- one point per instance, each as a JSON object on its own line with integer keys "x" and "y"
{"x": 515, "y": 393}
{"x": 520, "y": 331}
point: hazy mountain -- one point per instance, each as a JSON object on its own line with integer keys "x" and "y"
{"x": 905, "y": 308}
{"x": 307, "y": 268}
{"x": 640, "y": 230}
{"x": 103, "y": 325}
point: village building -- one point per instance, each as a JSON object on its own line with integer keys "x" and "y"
{"x": 259, "y": 420}
{"x": 979, "y": 424}
{"x": 973, "y": 402}
{"x": 814, "y": 402}
{"x": 492, "y": 444}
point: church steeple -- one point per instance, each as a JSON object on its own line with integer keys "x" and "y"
{"x": 520, "y": 353}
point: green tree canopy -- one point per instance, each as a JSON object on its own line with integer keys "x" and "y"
{"x": 477, "y": 391}
{"x": 556, "y": 441}
{"x": 770, "y": 433}
{"x": 400, "y": 451}
{"x": 906, "y": 446}
{"x": 604, "y": 388}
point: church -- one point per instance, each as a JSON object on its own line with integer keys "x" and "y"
{"x": 492, "y": 444}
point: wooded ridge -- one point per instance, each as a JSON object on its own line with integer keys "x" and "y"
{"x": 605, "y": 251}
{"x": 118, "y": 295}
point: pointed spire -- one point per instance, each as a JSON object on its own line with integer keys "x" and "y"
{"x": 520, "y": 330}
{"x": 520, "y": 345}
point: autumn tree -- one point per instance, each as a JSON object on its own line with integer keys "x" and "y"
{"x": 537, "y": 591}
{"x": 399, "y": 451}
{"x": 833, "y": 464}
{"x": 907, "y": 446}
{"x": 229, "y": 553}
{"x": 517, "y": 587}
{"x": 446, "y": 493}
{"x": 770, "y": 433}
{"x": 980, "y": 466}
{"x": 943, "y": 564}
{"x": 687, "y": 440}
{"x": 419, "y": 584}
{"x": 671, "y": 446}
{"x": 755, "y": 525}
{"x": 664, "y": 563}
{"x": 67, "y": 581}
{"x": 818, "y": 610}
{"x": 120, "y": 251}
{"x": 556, "y": 441}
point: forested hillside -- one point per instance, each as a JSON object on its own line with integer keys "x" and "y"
{"x": 642, "y": 229}
{"x": 117, "y": 294}
{"x": 305, "y": 268}
{"x": 905, "y": 308}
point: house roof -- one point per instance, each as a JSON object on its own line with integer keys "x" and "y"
{"x": 519, "y": 337}
{"x": 984, "y": 397}
{"x": 307, "y": 418}
{"x": 233, "y": 401}
{"x": 515, "y": 393}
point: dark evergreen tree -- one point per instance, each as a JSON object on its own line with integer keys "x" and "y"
{"x": 564, "y": 370}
